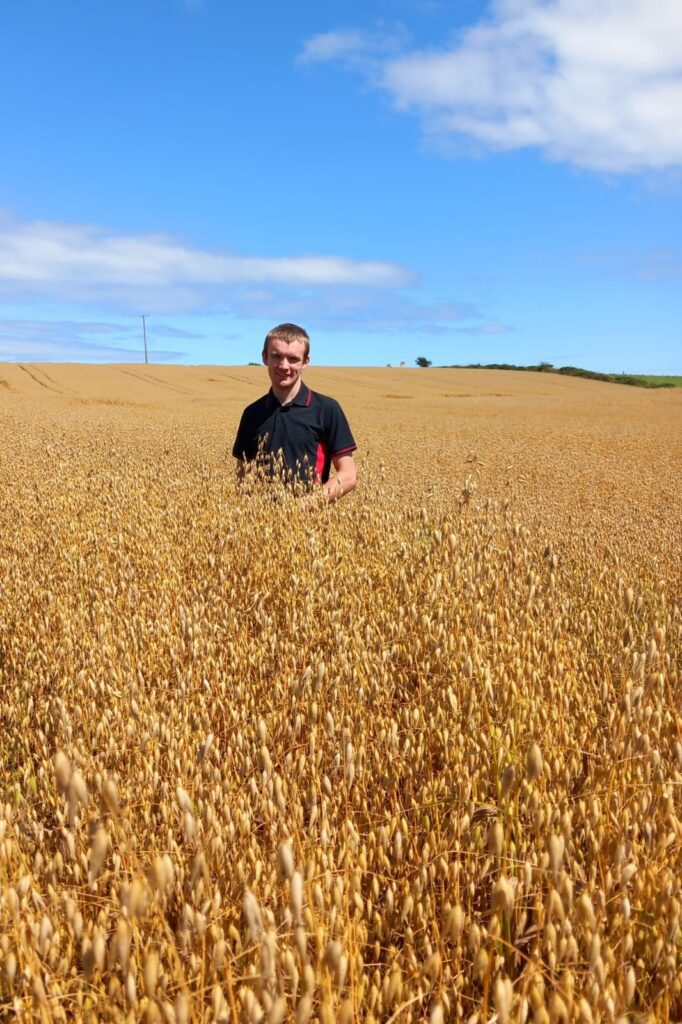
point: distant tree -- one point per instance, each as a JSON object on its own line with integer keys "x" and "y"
{"x": 545, "y": 367}
{"x": 402, "y": 362}
{"x": 422, "y": 361}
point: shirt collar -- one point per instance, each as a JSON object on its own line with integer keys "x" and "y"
{"x": 302, "y": 398}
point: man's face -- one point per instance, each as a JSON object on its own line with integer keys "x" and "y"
{"x": 285, "y": 361}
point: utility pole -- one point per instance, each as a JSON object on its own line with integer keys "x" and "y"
{"x": 144, "y": 331}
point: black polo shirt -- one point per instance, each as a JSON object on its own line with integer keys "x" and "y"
{"x": 309, "y": 432}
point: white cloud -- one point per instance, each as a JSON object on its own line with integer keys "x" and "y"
{"x": 85, "y": 263}
{"x": 596, "y": 83}
{"x": 354, "y": 48}
{"x": 333, "y": 45}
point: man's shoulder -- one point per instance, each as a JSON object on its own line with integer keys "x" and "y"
{"x": 325, "y": 400}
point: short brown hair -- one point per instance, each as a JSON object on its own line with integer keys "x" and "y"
{"x": 287, "y": 332}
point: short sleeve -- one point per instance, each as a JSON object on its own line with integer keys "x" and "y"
{"x": 240, "y": 441}
{"x": 339, "y": 439}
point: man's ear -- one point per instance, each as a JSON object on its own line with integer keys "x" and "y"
{"x": 264, "y": 357}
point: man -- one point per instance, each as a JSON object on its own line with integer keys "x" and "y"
{"x": 307, "y": 431}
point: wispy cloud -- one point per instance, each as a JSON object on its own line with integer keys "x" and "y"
{"x": 595, "y": 83}
{"x": 40, "y": 340}
{"x": 355, "y": 49}
{"x": 84, "y": 263}
{"x": 353, "y": 309}
{"x": 651, "y": 266}
{"x": 81, "y": 266}
{"x": 484, "y": 329}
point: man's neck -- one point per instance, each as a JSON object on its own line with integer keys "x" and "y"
{"x": 284, "y": 396}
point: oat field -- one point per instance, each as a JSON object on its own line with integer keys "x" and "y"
{"x": 413, "y": 757}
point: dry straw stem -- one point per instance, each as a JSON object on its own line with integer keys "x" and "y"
{"x": 403, "y": 758}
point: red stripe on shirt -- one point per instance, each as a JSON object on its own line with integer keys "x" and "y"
{"x": 320, "y": 459}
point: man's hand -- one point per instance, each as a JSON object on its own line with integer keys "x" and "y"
{"x": 344, "y": 479}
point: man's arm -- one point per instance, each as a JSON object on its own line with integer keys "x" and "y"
{"x": 344, "y": 479}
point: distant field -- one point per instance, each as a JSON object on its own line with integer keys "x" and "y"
{"x": 631, "y": 379}
{"x": 659, "y": 381}
{"x": 413, "y": 757}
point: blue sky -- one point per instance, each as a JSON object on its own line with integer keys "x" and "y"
{"x": 473, "y": 182}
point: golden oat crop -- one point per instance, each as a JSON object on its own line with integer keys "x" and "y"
{"x": 414, "y": 757}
